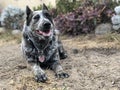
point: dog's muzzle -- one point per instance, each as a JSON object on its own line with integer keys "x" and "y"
{"x": 46, "y": 29}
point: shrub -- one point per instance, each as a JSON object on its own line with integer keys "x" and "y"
{"x": 64, "y": 6}
{"x": 83, "y": 19}
{"x": 12, "y": 18}
{"x": 37, "y": 8}
{"x": 53, "y": 11}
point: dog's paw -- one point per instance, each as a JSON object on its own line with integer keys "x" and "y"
{"x": 62, "y": 75}
{"x": 41, "y": 78}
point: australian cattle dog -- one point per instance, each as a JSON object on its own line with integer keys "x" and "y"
{"x": 40, "y": 44}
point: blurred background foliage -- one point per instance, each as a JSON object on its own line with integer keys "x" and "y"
{"x": 71, "y": 16}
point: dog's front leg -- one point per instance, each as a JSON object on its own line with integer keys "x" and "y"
{"x": 40, "y": 75}
{"x": 62, "y": 52}
{"x": 59, "y": 72}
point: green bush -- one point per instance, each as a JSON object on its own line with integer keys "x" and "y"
{"x": 53, "y": 11}
{"x": 40, "y": 7}
{"x": 37, "y": 8}
{"x": 64, "y": 6}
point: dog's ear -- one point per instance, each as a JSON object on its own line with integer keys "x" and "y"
{"x": 28, "y": 15}
{"x": 44, "y": 7}
{"x": 28, "y": 11}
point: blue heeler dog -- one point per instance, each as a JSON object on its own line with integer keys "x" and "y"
{"x": 40, "y": 44}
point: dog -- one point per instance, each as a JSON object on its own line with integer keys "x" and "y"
{"x": 40, "y": 44}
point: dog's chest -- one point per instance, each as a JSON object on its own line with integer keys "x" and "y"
{"x": 45, "y": 49}
{"x": 46, "y": 53}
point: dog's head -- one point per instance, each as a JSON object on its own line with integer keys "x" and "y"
{"x": 40, "y": 22}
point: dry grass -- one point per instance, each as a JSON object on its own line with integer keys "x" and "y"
{"x": 8, "y": 38}
{"x": 98, "y": 64}
{"x": 81, "y": 42}
{"x": 92, "y": 41}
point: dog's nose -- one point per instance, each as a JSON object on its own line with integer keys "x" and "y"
{"x": 46, "y": 26}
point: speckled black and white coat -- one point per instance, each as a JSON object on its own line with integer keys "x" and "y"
{"x": 51, "y": 48}
{"x": 35, "y": 45}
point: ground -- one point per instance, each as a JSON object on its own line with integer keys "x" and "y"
{"x": 93, "y": 63}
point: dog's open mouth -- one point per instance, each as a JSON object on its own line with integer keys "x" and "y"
{"x": 46, "y": 33}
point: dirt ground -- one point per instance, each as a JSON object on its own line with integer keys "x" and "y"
{"x": 90, "y": 68}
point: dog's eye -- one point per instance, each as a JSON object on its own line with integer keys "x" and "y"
{"x": 36, "y": 17}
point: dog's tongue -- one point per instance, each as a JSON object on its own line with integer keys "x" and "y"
{"x": 45, "y": 34}
{"x": 41, "y": 58}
